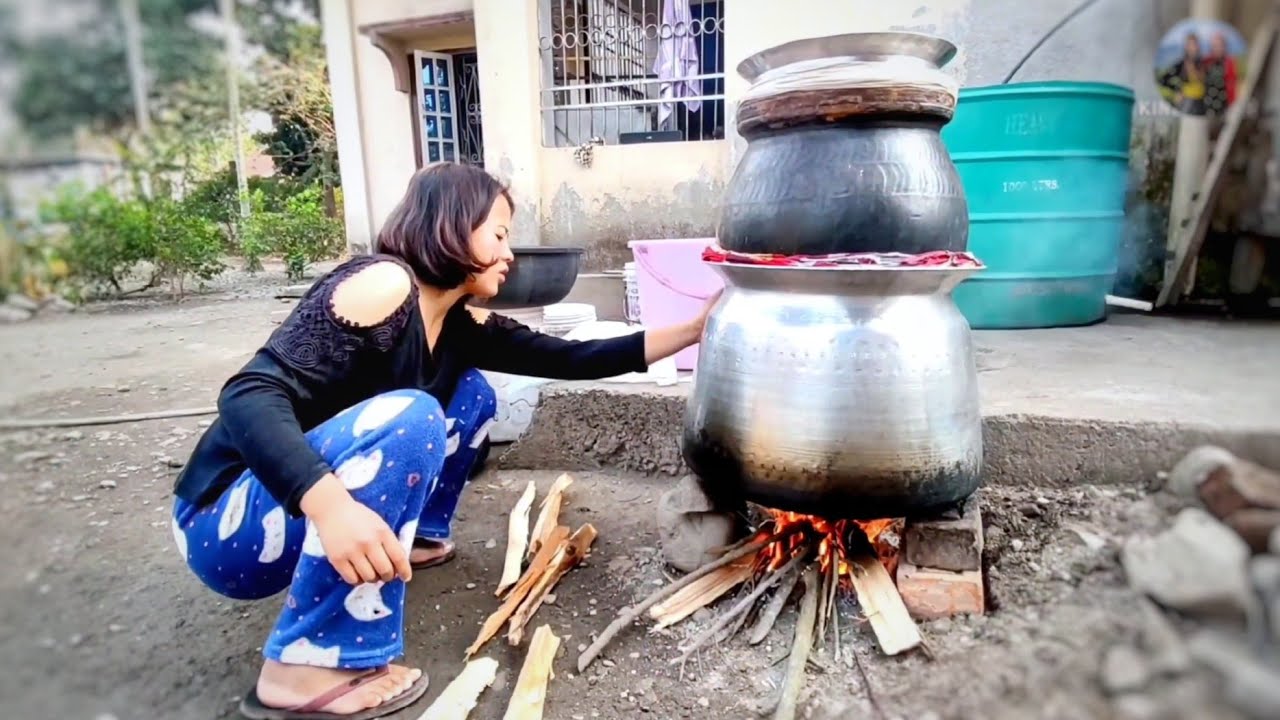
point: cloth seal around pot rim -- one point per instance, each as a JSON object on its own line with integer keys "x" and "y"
{"x": 839, "y": 73}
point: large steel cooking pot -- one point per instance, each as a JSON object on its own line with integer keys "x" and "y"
{"x": 844, "y": 152}
{"x": 846, "y": 392}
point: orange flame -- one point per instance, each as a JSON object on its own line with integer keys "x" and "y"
{"x": 832, "y": 535}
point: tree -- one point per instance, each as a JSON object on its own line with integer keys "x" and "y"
{"x": 77, "y": 77}
{"x": 294, "y": 89}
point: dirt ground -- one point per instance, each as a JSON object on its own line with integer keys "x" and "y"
{"x": 99, "y": 618}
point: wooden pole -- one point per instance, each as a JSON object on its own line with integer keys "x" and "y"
{"x": 137, "y": 68}
{"x": 232, "y": 49}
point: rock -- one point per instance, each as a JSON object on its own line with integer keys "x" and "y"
{"x": 1194, "y": 468}
{"x": 1248, "y": 684}
{"x": 1165, "y": 649}
{"x": 1137, "y": 706}
{"x": 9, "y": 314}
{"x": 1264, "y": 571}
{"x": 1198, "y": 566}
{"x": 690, "y": 527}
{"x": 32, "y": 456}
{"x": 1123, "y": 670}
{"x": 18, "y": 301}
{"x": 108, "y": 484}
{"x": 56, "y": 304}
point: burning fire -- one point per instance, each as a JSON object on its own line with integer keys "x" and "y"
{"x": 833, "y": 537}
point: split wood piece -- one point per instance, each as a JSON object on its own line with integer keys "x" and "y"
{"x": 517, "y": 539}
{"x": 833, "y": 610}
{"x": 530, "y": 695}
{"x": 741, "y": 607}
{"x": 460, "y": 697}
{"x": 568, "y": 554}
{"x": 627, "y": 616}
{"x": 701, "y": 593}
{"x": 531, "y": 576}
{"x": 549, "y": 515}
{"x": 881, "y": 604}
{"x": 1237, "y": 485}
{"x": 801, "y": 644}
{"x": 769, "y": 615}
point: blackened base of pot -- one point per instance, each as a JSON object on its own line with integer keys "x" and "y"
{"x": 907, "y": 492}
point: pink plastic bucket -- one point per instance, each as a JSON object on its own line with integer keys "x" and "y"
{"x": 674, "y": 284}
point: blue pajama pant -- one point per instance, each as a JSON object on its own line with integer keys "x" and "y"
{"x": 399, "y": 454}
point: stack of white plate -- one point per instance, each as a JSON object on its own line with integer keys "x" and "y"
{"x": 529, "y": 317}
{"x": 561, "y": 318}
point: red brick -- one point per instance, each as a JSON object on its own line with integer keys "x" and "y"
{"x": 930, "y": 594}
{"x": 946, "y": 543}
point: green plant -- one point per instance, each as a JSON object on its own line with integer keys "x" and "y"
{"x": 301, "y": 232}
{"x": 106, "y": 241}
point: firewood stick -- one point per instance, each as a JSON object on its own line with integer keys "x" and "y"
{"x": 800, "y": 645}
{"x": 629, "y": 615}
{"x": 824, "y": 584}
{"x": 741, "y": 606}
{"x": 460, "y": 697}
{"x": 517, "y": 539}
{"x": 833, "y": 587}
{"x": 530, "y": 695}
{"x": 517, "y": 595}
{"x": 701, "y": 593}
{"x": 881, "y": 604}
{"x": 568, "y": 554}
{"x": 549, "y": 515}
{"x": 769, "y": 615}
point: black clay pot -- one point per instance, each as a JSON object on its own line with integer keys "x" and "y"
{"x": 539, "y": 276}
{"x": 846, "y": 169}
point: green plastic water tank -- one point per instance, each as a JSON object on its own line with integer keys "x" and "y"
{"x": 1045, "y": 167}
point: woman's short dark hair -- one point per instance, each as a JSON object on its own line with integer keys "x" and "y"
{"x": 430, "y": 229}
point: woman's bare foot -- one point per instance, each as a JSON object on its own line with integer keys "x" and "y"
{"x": 428, "y": 552}
{"x": 284, "y": 686}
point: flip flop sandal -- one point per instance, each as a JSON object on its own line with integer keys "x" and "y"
{"x": 437, "y": 560}
{"x": 251, "y": 707}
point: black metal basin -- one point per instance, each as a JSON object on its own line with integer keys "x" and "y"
{"x": 539, "y": 276}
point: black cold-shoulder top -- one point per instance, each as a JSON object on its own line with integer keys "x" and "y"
{"x": 314, "y": 365}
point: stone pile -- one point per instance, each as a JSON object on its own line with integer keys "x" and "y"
{"x": 1211, "y": 583}
{"x": 19, "y": 308}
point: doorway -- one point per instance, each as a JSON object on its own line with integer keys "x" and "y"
{"x": 447, "y": 102}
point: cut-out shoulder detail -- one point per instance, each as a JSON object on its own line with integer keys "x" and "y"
{"x": 315, "y": 334}
{"x": 371, "y": 295}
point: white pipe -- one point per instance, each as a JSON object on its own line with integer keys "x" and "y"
{"x": 1123, "y": 302}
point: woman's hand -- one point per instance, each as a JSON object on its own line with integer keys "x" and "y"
{"x": 358, "y": 542}
{"x": 667, "y": 341}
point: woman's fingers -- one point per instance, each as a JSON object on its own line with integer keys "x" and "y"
{"x": 381, "y": 563}
{"x": 398, "y": 555}
{"x": 347, "y": 571}
{"x": 364, "y": 569}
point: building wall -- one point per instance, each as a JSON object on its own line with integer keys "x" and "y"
{"x": 671, "y": 189}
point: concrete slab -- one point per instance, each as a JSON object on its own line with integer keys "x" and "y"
{"x": 1113, "y": 402}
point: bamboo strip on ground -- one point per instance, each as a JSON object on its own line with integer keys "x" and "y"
{"x": 801, "y": 644}
{"x": 769, "y": 615}
{"x": 517, "y": 595}
{"x": 568, "y": 554}
{"x": 629, "y": 615}
{"x": 549, "y": 515}
{"x": 701, "y": 593}
{"x": 741, "y": 607}
{"x": 517, "y": 539}
{"x": 461, "y": 696}
{"x": 530, "y": 696}
{"x": 881, "y": 604}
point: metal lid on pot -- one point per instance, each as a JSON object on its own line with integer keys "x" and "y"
{"x": 863, "y": 46}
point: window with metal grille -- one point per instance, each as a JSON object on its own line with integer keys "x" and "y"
{"x": 623, "y": 71}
